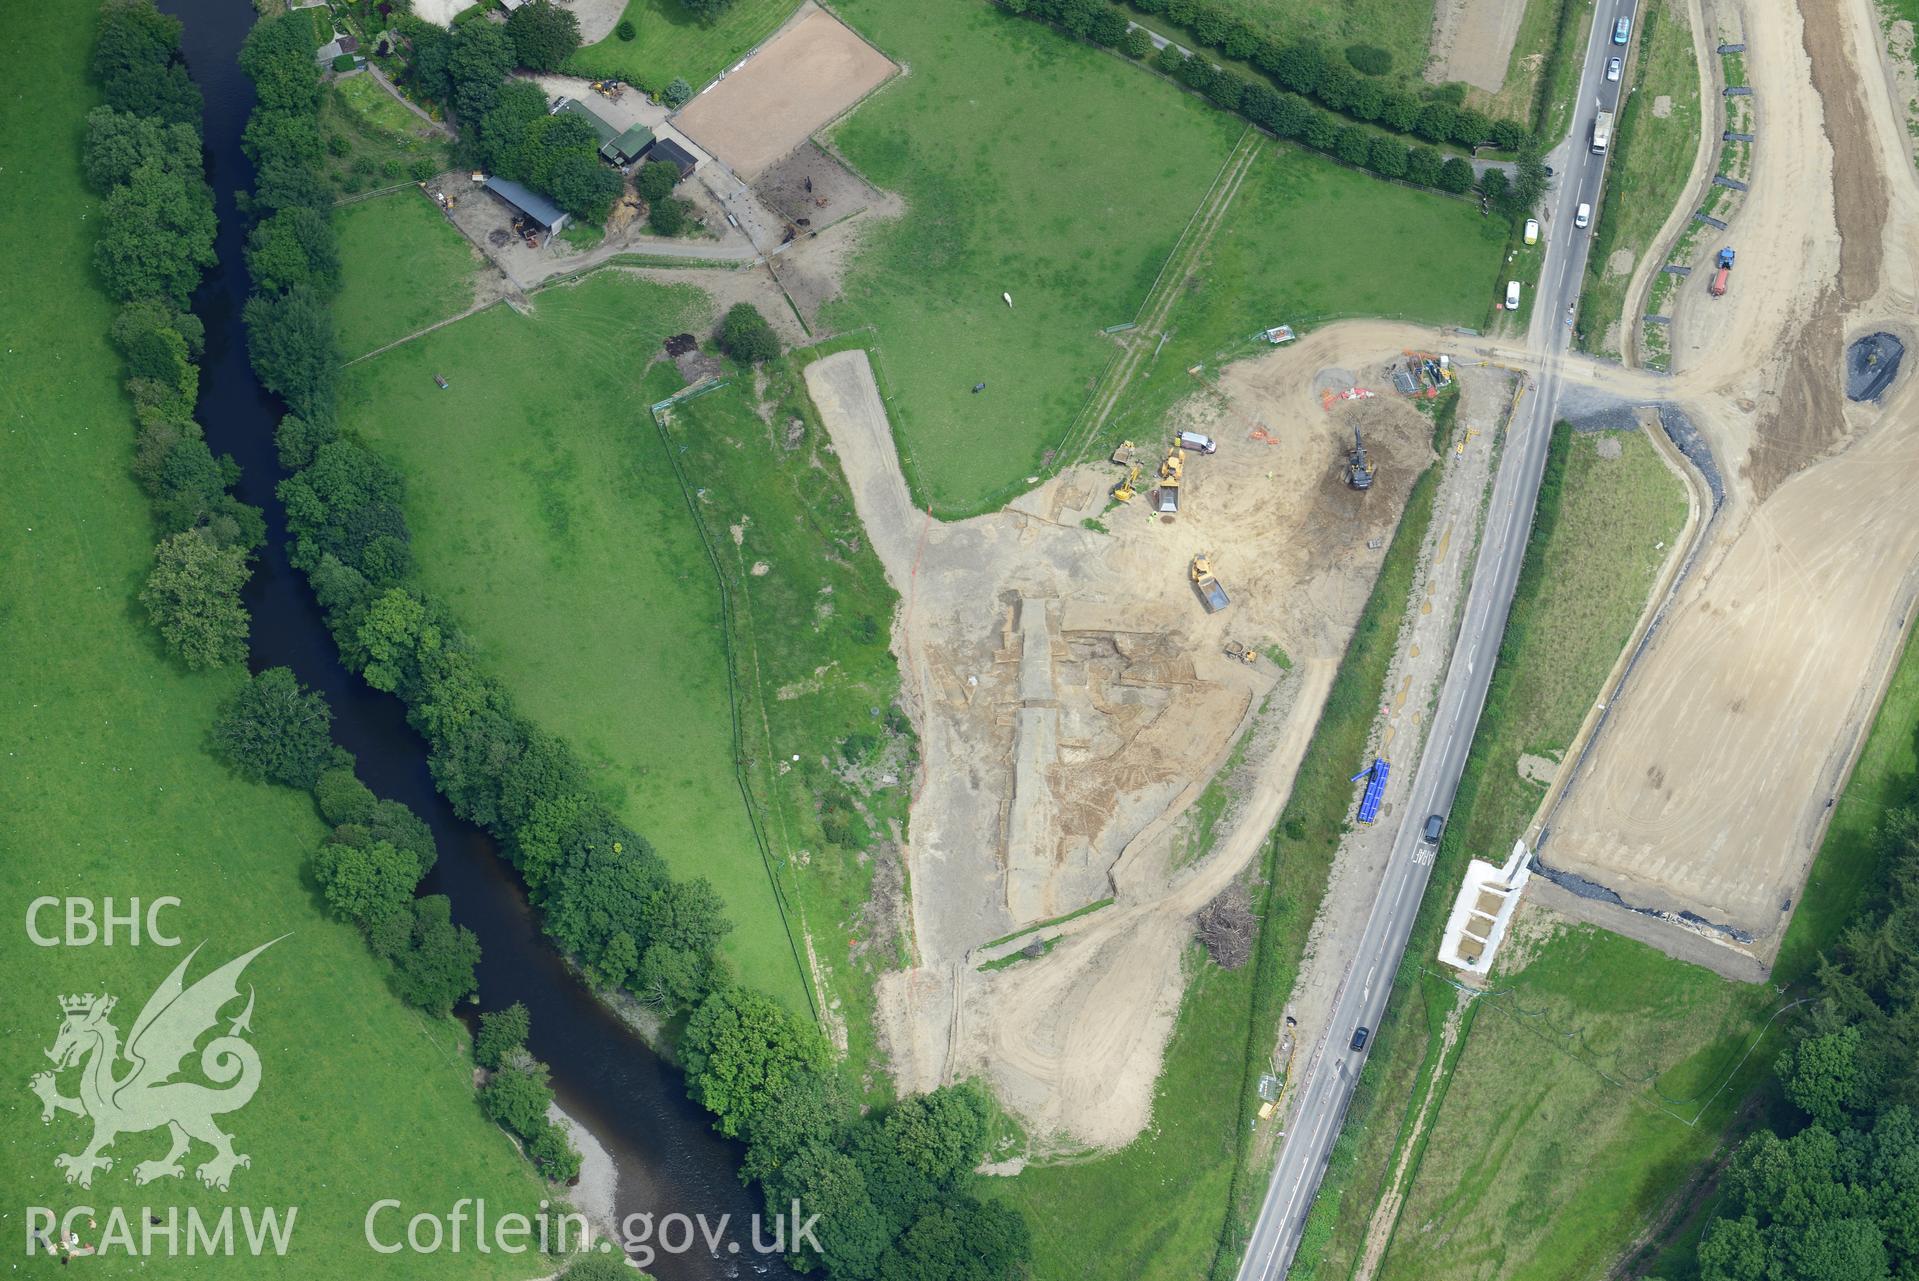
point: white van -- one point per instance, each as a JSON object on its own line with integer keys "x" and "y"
{"x": 1532, "y": 231}
{"x": 1194, "y": 440}
{"x": 1512, "y": 295}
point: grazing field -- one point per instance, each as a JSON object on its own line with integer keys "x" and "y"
{"x": 108, "y": 790}
{"x": 1651, "y": 161}
{"x": 1589, "y": 568}
{"x": 1306, "y": 242}
{"x": 671, "y": 42}
{"x": 1570, "y": 1118}
{"x": 545, "y": 514}
{"x": 1073, "y": 220}
{"x": 403, "y": 267}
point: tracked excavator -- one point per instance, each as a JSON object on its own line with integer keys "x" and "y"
{"x": 1359, "y": 470}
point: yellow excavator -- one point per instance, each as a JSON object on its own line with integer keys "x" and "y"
{"x": 1128, "y": 485}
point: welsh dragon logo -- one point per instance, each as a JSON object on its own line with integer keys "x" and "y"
{"x": 145, "y": 1095}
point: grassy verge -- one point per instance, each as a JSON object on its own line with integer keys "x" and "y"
{"x": 808, "y": 641}
{"x": 1646, "y": 176}
{"x": 1075, "y": 914}
{"x": 1591, "y": 559}
{"x": 403, "y": 267}
{"x": 108, "y": 790}
{"x": 671, "y": 42}
{"x": 1596, "y": 553}
{"x": 1176, "y": 1201}
{"x": 372, "y": 141}
{"x": 546, "y": 515}
{"x": 1339, "y": 226}
{"x": 1559, "y": 80}
{"x": 1073, "y": 222}
{"x": 1527, "y": 66}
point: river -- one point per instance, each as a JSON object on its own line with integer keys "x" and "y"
{"x": 667, "y": 1156}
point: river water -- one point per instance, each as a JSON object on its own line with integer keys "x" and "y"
{"x": 668, "y": 1158}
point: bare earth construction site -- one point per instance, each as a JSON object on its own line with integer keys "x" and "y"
{"x": 1708, "y": 790}
{"x": 1074, "y": 699}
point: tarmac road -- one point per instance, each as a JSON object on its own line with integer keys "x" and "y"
{"x": 1333, "y": 1070}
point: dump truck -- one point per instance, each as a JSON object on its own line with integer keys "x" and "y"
{"x": 1602, "y": 132}
{"x": 1211, "y": 594}
{"x": 1723, "y": 276}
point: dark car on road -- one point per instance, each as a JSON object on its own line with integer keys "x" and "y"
{"x": 1359, "y": 1037}
{"x": 1435, "y": 824}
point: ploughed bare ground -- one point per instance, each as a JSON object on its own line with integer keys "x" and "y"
{"x": 1708, "y": 791}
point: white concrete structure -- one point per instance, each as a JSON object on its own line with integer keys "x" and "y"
{"x": 1482, "y": 910}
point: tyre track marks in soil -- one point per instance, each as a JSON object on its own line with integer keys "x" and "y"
{"x": 1158, "y": 305}
{"x": 1859, "y": 192}
{"x": 1810, "y": 418}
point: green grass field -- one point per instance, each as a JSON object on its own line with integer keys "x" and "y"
{"x": 1566, "y": 1124}
{"x": 670, "y": 42}
{"x": 1652, "y": 159}
{"x": 1002, "y": 196}
{"x": 1306, "y": 242}
{"x": 403, "y": 267}
{"x": 811, "y": 610}
{"x": 108, "y": 790}
{"x": 545, "y": 513}
{"x": 1600, "y": 562}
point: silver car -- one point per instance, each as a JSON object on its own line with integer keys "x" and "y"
{"x": 1613, "y": 68}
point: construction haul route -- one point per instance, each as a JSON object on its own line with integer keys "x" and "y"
{"x": 1324, "y": 1095}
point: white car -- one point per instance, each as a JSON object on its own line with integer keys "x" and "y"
{"x": 1583, "y": 218}
{"x": 1613, "y": 68}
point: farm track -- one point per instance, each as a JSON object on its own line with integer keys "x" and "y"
{"x": 1158, "y": 304}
